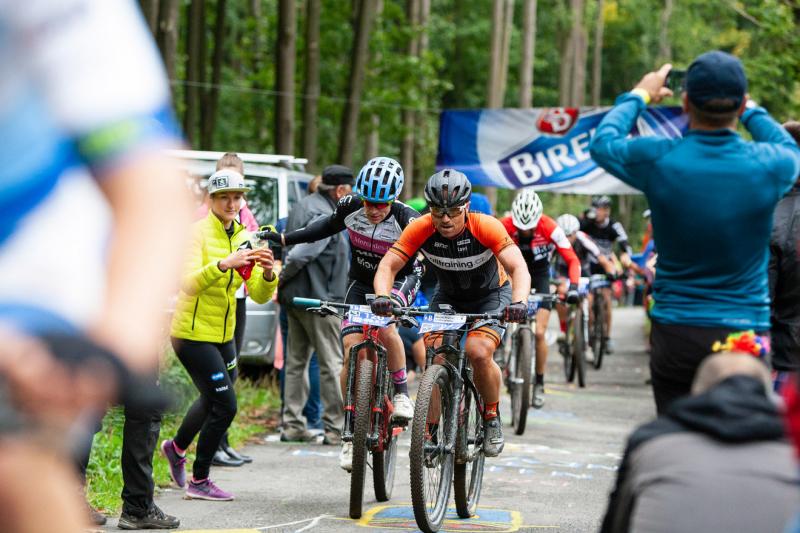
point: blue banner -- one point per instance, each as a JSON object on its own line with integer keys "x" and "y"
{"x": 543, "y": 148}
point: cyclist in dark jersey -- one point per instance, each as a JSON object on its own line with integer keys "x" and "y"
{"x": 588, "y": 254}
{"x": 374, "y": 220}
{"x": 605, "y": 232}
{"x": 470, "y": 254}
{"x": 538, "y": 236}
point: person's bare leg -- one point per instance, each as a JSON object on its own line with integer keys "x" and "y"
{"x": 42, "y": 480}
{"x": 542, "y": 317}
{"x": 488, "y": 377}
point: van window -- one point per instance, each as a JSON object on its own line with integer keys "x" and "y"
{"x": 263, "y": 199}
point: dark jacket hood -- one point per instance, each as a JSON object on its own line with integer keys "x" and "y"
{"x": 736, "y": 410}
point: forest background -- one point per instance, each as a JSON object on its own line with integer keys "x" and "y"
{"x": 340, "y": 81}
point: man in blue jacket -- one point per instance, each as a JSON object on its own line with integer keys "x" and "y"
{"x": 712, "y": 195}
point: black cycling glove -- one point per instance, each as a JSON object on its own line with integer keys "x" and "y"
{"x": 516, "y": 312}
{"x": 382, "y": 305}
{"x": 572, "y": 294}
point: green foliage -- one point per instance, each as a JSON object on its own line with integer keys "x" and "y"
{"x": 257, "y": 405}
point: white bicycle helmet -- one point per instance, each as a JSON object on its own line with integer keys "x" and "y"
{"x": 569, "y": 223}
{"x": 526, "y": 209}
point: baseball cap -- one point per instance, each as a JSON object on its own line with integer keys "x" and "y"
{"x": 337, "y": 175}
{"x": 226, "y": 180}
{"x": 716, "y": 82}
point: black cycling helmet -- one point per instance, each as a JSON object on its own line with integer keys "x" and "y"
{"x": 601, "y": 201}
{"x": 448, "y": 188}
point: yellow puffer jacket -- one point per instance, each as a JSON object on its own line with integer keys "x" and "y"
{"x": 206, "y": 308}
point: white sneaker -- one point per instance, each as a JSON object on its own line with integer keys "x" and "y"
{"x": 589, "y": 354}
{"x": 403, "y": 408}
{"x": 346, "y": 456}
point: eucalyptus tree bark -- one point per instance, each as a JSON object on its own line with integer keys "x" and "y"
{"x": 597, "y": 59}
{"x": 581, "y": 45}
{"x": 284, "y": 77}
{"x": 409, "y": 115}
{"x": 211, "y": 96}
{"x": 496, "y": 84}
{"x": 358, "y": 66}
{"x": 195, "y": 72}
{"x": 508, "y": 27}
{"x": 528, "y": 54}
{"x": 420, "y": 176}
{"x": 664, "y": 47}
{"x": 311, "y": 87}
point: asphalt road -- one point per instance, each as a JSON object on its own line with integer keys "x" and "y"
{"x": 554, "y": 477}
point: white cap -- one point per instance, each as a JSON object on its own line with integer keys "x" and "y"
{"x": 226, "y": 180}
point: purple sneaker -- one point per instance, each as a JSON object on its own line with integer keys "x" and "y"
{"x": 177, "y": 471}
{"x": 207, "y": 490}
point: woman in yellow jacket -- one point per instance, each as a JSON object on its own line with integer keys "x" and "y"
{"x": 203, "y": 326}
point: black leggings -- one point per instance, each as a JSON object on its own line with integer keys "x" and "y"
{"x": 212, "y": 368}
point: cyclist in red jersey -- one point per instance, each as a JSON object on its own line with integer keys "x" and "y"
{"x": 538, "y": 236}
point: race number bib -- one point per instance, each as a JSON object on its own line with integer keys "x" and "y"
{"x": 361, "y": 314}
{"x": 441, "y": 322}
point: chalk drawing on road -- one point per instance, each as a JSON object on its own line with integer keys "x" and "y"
{"x": 556, "y": 473}
{"x": 396, "y": 517}
{"x": 310, "y": 523}
{"x": 313, "y": 453}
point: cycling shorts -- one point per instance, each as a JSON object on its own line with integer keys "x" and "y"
{"x": 404, "y": 291}
{"x": 541, "y": 284}
{"x": 494, "y": 302}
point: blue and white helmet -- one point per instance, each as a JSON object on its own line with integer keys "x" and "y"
{"x": 380, "y": 180}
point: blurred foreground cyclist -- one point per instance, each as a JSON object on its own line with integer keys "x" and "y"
{"x": 86, "y": 264}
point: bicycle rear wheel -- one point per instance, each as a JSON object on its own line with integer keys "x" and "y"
{"x": 578, "y": 347}
{"x": 521, "y": 380}
{"x": 363, "y": 414}
{"x": 431, "y": 467}
{"x": 384, "y": 463}
{"x": 468, "y": 470}
{"x": 565, "y": 347}
{"x": 597, "y": 330}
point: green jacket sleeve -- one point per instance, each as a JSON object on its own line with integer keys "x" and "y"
{"x": 260, "y": 289}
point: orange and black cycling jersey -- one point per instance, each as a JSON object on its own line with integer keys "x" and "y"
{"x": 466, "y": 266}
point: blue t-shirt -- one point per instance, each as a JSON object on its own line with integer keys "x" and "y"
{"x": 712, "y": 195}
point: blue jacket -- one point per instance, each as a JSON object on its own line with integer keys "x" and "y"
{"x": 712, "y": 195}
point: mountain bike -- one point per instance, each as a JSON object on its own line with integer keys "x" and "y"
{"x": 573, "y": 347}
{"x": 368, "y": 406}
{"x": 518, "y": 367}
{"x": 598, "y": 332}
{"x": 447, "y": 432}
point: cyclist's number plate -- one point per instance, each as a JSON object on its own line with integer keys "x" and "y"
{"x": 440, "y": 322}
{"x": 361, "y": 314}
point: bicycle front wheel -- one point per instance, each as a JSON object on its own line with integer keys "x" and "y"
{"x": 431, "y": 466}
{"x": 597, "y": 331}
{"x": 384, "y": 462}
{"x": 521, "y": 380}
{"x": 363, "y": 415}
{"x": 578, "y": 346}
{"x": 468, "y": 472}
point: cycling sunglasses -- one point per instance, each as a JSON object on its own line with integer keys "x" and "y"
{"x": 375, "y": 205}
{"x": 451, "y": 212}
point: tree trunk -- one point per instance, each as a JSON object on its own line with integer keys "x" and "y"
{"x": 528, "y": 53}
{"x": 409, "y": 116}
{"x": 195, "y": 68}
{"x": 259, "y": 104}
{"x": 508, "y": 27}
{"x": 421, "y": 141}
{"x": 580, "y": 48}
{"x": 597, "y": 60}
{"x": 372, "y": 145}
{"x": 664, "y": 48}
{"x": 311, "y": 87}
{"x": 358, "y": 65}
{"x": 211, "y": 99}
{"x": 151, "y": 15}
{"x": 169, "y": 17}
{"x": 284, "y": 78}
{"x": 498, "y": 55}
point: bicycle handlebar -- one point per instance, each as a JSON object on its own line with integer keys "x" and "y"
{"x": 399, "y": 311}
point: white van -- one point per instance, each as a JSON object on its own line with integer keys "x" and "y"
{"x": 278, "y": 181}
